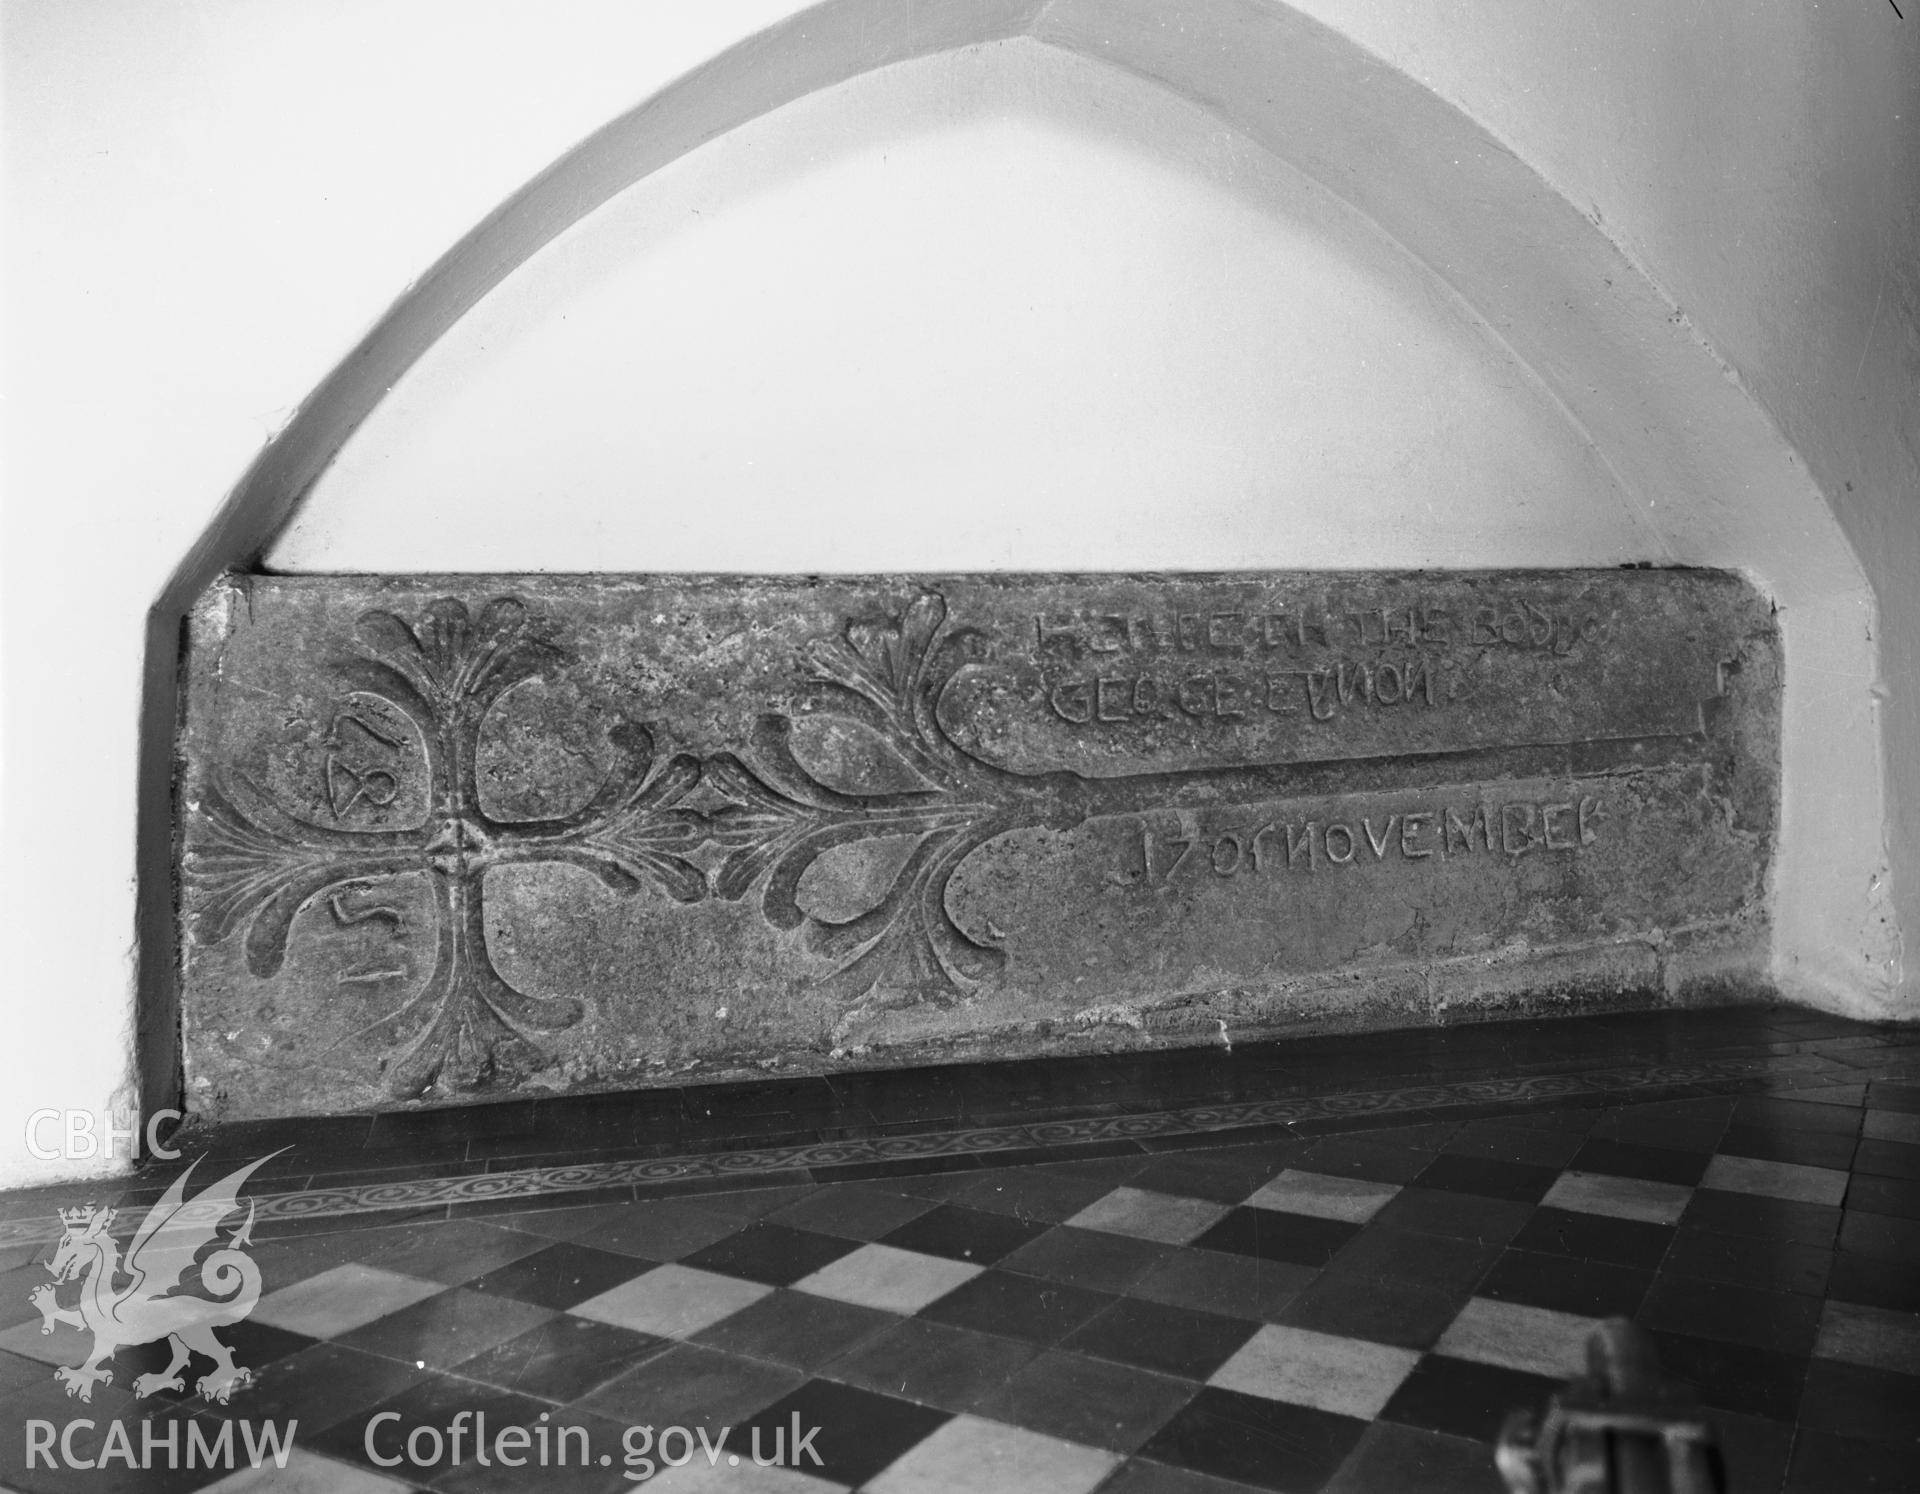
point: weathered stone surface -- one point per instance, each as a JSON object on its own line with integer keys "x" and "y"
{"x": 446, "y": 838}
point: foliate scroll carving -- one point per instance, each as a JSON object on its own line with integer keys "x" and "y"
{"x": 257, "y": 864}
{"x": 887, "y": 673}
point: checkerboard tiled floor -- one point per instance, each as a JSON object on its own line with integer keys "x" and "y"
{"x": 1352, "y": 1312}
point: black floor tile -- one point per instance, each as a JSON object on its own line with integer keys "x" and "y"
{"x": 1575, "y": 1120}
{"x": 1826, "y": 1464}
{"x": 1596, "y": 1237}
{"x": 562, "y": 1359}
{"x": 796, "y": 1329}
{"x": 1753, "y": 1450}
{"x": 1366, "y": 1156}
{"x": 1735, "y": 1377}
{"x": 1428, "y": 1136}
{"x": 1782, "y": 1322}
{"x": 954, "y": 1369}
{"x": 1382, "y": 1311}
{"x": 1234, "y": 1286}
{"x": 17, "y": 1287}
{"x": 856, "y": 1211}
{"x": 1501, "y": 1142}
{"x": 659, "y": 1230}
{"x": 1257, "y": 1160}
{"x": 1748, "y": 1260}
{"x": 1887, "y": 1094}
{"x": 284, "y": 1262}
{"x": 1038, "y": 1195}
{"x": 560, "y": 1276}
{"x": 1003, "y": 1302}
{"x": 1152, "y": 1335}
{"x": 770, "y": 1253}
{"x": 1685, "y": 1125}
{"x": 961, "y": 1234}
{"x": 255, "y": 1346}
{"x": 746, "y": 1202}
{"x": 1565, "y": 1283}
{"x": 1271, "y": 1235}
{"x": 432, "y": 1402}
{"x": 1883, "y": 1236}
{"x": 1797, "y": 1115}
{"x": 1779, "y": 1144}
{"x": 1851, "y": 1400}
{"x": 1267, "y": 1444}
{"x": 1512, "y": 1182}
{"x": 1654, "y": 1164}
{"x": 445, "y": 1329}
{"x": 1752, "y": 1214}
{"x": 1383, "y": 1253}
{"x": 1394, "y": 1459}
{"x": 1899, "y": 1197}
{"x": 1875, "y": 1282}
{"x": 1086, "y": 1257}
{"x": 693, "y": 1386}
{"x": 938, "y": 1179}
{"x": 18, "y": 1372}
{"x": 1094, "y": 1402}
{"x": 1887, "y": 1159}
{"x": 860, "y": 1432}
{"x": 1463, "y": 1398}
{"x": 453, "y": 1251}
{"x": 1463, "y": 1216}
{"x": 319, "y": 1386}
{"x": 1180, "y": 1173}
{"x": 1144, "y": 1476}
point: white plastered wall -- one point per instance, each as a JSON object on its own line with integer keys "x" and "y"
{"x": 207, "y": 208}
{"x": 998, "y": 308}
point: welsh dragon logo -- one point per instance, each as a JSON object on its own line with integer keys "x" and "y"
{"x": 141, "y": 1300}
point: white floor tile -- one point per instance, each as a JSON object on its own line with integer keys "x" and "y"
{"x": 1147, "y": 1215}
{"x": 672, "y": 1301}
{"x": 1533, "y": 1339}
{"x": 342, "y": 1299}
{"x": 1619, "y": 1198}
{"x": 305, "y": 1473}
{"x": 1325, "y": 1197}
{"x": 744, "y": 1477}
{"x": 1790, "y": 1180}
{"x": 1892, "y": 1125}
{"x": 973, "y": 1456}
{"x": 1348, "y": 1376}
{"x": 1873, "y": 1336}
{"x": 888, "y": 1278}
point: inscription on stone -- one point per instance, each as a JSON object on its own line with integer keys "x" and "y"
{"x": 449, "y": 838}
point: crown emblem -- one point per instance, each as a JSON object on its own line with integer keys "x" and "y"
{"x": 82, "y": 1215}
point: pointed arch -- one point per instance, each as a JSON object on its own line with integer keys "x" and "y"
{"x": 1721, "y": 485}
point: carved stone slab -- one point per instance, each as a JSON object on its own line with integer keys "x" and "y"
{"x": 447, "y": 838}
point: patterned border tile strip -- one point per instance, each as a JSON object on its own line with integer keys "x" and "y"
{"x": 539, "y": 1182}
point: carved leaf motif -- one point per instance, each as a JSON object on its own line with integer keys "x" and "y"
{"x": 852, "y": 757}
{"x": 466, "y": 1026}
{"x": 260, "y": 865}
{"x": 782, "y": 818}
